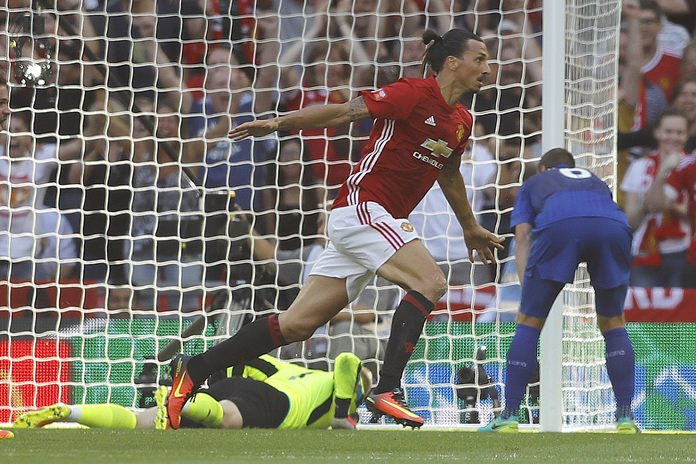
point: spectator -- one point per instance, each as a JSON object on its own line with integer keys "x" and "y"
{"x": 510, "y": 107}
{"x": 688, "y": 62}
{"x": 225, "y": 165}
{"x": 143, "y": 40}
{"x": 642, "y": 97}
{"x": 36, "y": 242}
{"x": 412, "y": 51}
{"x": 328, "y": 77}
{"x": 680, "y": 12}
{"x": 680, "y": 184}
{"x": 119, "y": 299}
{"x": 220, "y": 60}
{"x": 105, "y": 176}
{"x": 201, "y": 33}
{"x": 512, "y": 168}
{"x": 674, "y": 35}
{"x": 298, "y": 216}
{"x": 164, "y": 213}
{"x": 297, "y": 200}
{"x": 297, "y": 18}
{"x": 60, "y": 111}
{"x": 60, "y": 107}
{"x": 659, "y": 66}
{"x": 640, "y": 101}
{"x": 365, "y": 25}
{"x": 239, "y": 166}
{"x": 684, "y": 102}
{"x": 661, "y": 235}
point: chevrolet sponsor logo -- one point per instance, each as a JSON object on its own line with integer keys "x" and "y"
{"x": 437, "y": 148}
{"x": 427, "y": 159}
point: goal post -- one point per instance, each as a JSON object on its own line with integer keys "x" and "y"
{"x": 553, "y": 136}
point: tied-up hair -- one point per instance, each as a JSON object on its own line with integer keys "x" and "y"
{"x": 453, "y": 43}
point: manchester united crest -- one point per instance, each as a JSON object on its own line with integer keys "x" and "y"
{"x": 460, "y": 133}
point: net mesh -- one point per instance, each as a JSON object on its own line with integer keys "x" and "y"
{"x": 127, "y": 213}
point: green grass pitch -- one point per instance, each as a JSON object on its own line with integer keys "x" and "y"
{"x": 70, "y": 446}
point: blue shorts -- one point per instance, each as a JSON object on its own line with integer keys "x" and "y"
{"x": 557, "y": 250}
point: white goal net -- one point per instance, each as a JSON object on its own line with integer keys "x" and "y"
{"x": 131, "y": 228}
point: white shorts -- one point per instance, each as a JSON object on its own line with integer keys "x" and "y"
{"x": 361, "y": 239}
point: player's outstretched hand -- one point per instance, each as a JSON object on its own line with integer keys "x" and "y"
{"x": 257, "y": 128}
{"x": 483, "y": 242}
{"x": 346, "y": 423}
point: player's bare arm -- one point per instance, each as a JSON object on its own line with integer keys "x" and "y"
{"x": 477, "y": 238}
{"x": 311, "y": 117}
{"x": 523, "y": 243}
{"x": 357, "y": 109}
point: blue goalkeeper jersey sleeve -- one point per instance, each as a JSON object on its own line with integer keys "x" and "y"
{"x": 562, "y": 193}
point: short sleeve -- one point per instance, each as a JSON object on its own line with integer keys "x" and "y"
{"x": 635, "y": 177}
{"x": 523, "y": 211}
{"x": 393, "y": 101}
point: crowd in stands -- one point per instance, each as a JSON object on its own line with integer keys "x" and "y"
{"x": 119, "y": 171}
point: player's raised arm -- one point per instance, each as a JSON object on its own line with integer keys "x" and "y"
{"x": 311, "y": 117}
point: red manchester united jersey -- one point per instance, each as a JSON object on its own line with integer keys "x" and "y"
{"x": 683, "y": 180}
{"x": 414, "y": 134}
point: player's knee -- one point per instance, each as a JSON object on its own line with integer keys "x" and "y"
{"x": 232, "y": 417}
{"x": 434, "y": 287}
{"x": 296, "y": 331}
{"x": 431, "y": 285}
{"x": 609, "y": 323}
{"x": 531, "y": 321}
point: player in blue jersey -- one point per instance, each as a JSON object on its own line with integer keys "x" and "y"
{"x": 563, "y": 216}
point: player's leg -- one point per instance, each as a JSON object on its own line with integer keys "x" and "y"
{"x": 35, "y": 419}
{"x": 609, "y": 266}
{"x": 147, "y": 419}
{"x": 537, "y": 298}
{"x": 620, "y": 356}
{"x": 205, "y": 410}
{"x": 239, "y": 402}
{"x": 320, "y": 299}
{"x": 103, "y": 416}
{"x": 412, "y": 268}
{"x": 231, "y": 415}
{"x": 351, "y": 385}
{"x": 352, "y": 382}
{"x": 552, "y": 261}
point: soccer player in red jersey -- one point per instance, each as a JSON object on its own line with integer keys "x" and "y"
{"x": 419, "y": 134}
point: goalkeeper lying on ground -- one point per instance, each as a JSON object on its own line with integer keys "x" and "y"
{"x": 265, "y": 393}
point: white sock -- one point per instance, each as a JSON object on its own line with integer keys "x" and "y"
{"x": 75, "y": 413}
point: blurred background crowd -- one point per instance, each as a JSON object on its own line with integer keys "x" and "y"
{"x": 118, "y": 171}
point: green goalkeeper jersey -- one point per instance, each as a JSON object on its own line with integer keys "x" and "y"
{"x": 312, "y": 394}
